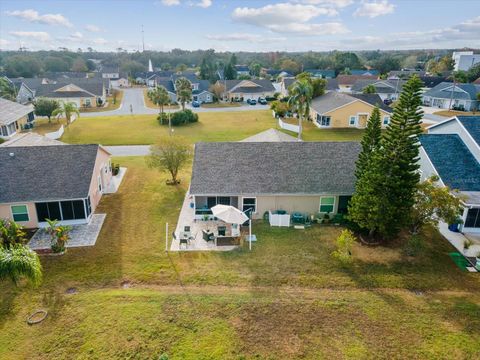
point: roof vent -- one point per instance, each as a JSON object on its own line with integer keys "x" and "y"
{"x": 12, "y": 154}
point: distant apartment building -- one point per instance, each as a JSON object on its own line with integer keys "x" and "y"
{"x": 464, "y": 60}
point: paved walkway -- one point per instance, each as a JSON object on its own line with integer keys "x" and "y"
{"x": 128, "y": 150}
{"x": 81, "y": 235}
{"x": 457, "y": 239}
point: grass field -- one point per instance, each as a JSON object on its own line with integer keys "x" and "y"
{"x": 109, "y": 107}
{"x": 285, "y": 299}
{"x": 450, "y": 113}
{"x": 212, "y": 126}
{"x": 221, "y": 105}
{"x": 151, "y": 105}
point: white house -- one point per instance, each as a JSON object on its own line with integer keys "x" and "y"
{"x": 464, "y": 60}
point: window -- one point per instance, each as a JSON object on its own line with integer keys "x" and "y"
{"x": 353, "y": 120}
{"x": 323, "y": 120}
{"x": 473, "y": 218}
{"x": 20, "y": 213}
{"x": 249, "y": 204}
{"x": 88, "y": 102}
{"x": 62, "y": 210}
{"x": 99, "y": 180}
{"x": 327, "y": 204}
{"x": 223, "y": 200}
{"x": 386, "y": 120}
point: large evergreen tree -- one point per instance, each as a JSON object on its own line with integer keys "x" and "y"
{"x": 370, "y": 142}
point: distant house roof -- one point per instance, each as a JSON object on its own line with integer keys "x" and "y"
{"x": 321, "y": 73}
{"x": 167, "y": 83}
{"x": 25, "y": 177}
{"x": 249, "y": 86}
{"x": 30, "y": 139}
{"x": 332, "y": 84}
{"x": 242, "y": 68}
{"x": 54, "y": 75}
{"x": 432, "y": 81}
{"x": 350, "y": 79}
{"x": 11, "y": 111}
{"x": 364, "y": 72}
{"x": 333, "y": 100}
{"x": 455, "y": 164}
{"x": 460, "y": 91}
{"x": 477, "y": 81}
{"x": 254, "y": 168}
{"x": 275, "y": 72}
{"x": 88, "y": 87}
{"x": 472, "y": 125}
{"x": 406, "y": 73}
{"x": 381, "y": 86}
{"x": 270, "y": 135}
{"x": 107, "y": 69}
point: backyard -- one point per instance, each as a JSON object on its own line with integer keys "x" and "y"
{"x": 288, "y": 298}
{"x": 212, "y": 126}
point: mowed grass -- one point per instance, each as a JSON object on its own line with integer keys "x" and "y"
{"x": 287, "y": 298}
{"x": 212, "y": 126}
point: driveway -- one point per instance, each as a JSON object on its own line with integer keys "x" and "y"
{"x": 133, "y": 101}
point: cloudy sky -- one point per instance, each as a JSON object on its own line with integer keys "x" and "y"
{"x": 250, "y": 25}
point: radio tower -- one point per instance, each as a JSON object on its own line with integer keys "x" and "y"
{"x": 143, "y": 40}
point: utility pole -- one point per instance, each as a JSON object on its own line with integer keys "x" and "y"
{"x": 143, "y": 40}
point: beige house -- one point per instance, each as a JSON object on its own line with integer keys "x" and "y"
{"x": 68, "y": 191}
{"x": 338, "y": 110}
{"x": 13, "y": 117}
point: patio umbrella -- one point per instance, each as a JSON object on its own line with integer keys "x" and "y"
{"x": 229, "y": 214}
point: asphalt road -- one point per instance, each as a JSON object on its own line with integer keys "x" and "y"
{"x": 133, "y": 101}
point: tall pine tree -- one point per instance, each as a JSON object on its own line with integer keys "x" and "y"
{"x": 370, "y": 141}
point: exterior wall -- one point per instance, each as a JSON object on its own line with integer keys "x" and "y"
{"x": 13, "y": 128}
{"x": 110, "y": 75}
{"x": 345, "y": 88}
{"x": 24, "y": 95}
{"x": 6, "y": 213}
{"x": 340, "y": 118}
{"x": 442, "y": 103}
{"x": 454, "y": 127}
{"x": 102, "y": 161}
{"x": 246, "y": 96}
{"x": 120, "y": 83}
{"x": 205, "y": 97}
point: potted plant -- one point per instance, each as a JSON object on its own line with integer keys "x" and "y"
{"x": 206, "y": 217}
{"x": 59, "y": 236}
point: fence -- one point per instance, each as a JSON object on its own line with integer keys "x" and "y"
{"x": 287, "y": 126}
{"x": 279, "y": 220}
{"x": 56, "y": 134}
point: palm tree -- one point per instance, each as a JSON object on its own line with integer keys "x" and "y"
{"x": 159, "y": 96}
{"x": 67, "y": 109}
{"x": 300, "y": 99}
{"x": 20, "y": 261}
{"x": 184, "y": 91}
{"x": 7, "y": 90}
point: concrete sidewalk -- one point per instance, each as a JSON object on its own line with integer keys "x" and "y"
{"x": 128, "y": 150}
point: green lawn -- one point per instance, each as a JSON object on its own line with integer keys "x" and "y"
{"x": 212, "y": 126}
{"x": 286, "y": 299}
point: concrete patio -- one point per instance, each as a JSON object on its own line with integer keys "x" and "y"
{"x": 81, "y": 235}
{"x": 457, "y": 239}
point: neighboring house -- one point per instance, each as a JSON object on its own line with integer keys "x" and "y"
{"x": 337, "y": 110}
{"x": 432, "y": 81}
{"x": 477, "y": 82}
{"x": 365, "y": 72}
{"x": 242, "y": 70}
{"x": 64, "y": 183}
{"x": 110, "y": 72}
{"x": 324, "y": 74}
{"x": 56, "y": 75}
{"x": 30, "y": 139}
{"x": 270, "y": 135}
{"x": 306, "y": 177}
{"x": 386, "y": 89}
{"x": 120, "y": 82}
{"x": 451, "y": 150}
{"x": 273, "y": 73}
{"x": 12, "y": 118}
{"x": 405, "y": 73}
{"x": 448, "y": 95}
{"x": 332, "y": 85}
{"x": 464, "y": 60}
{"x": 247, "y": 89}
{"x": 200, "y": 88}
{"x": 345, "y": 82}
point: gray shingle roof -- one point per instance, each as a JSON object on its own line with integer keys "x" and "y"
{"x": 381, "y": 86}
{"x": 442, "y": 91}
{"x": 373, "y": 99}
{"x": 472, "y": 124}
{"x": 11, "y": 111}
{"x": 245, "y": 168}
{"x": 38, "y": 173}
{"x": 263, "y": 85}
{"x": 270, "y": 135}
{"x": 333, "y": 100}
{"x": 93, "y": 85}
{"x": 454, "y": 163}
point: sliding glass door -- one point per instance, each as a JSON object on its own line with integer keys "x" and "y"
{"x": 63, "y": 210}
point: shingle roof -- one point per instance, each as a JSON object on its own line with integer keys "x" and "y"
{"x": 27, "y": 175}
{"x": 333, "y": 100}
{"x": 270, "y": 135}
{"x": 166, "y": 83}
{"x": 263, "y": 85}
{"x": 350, "y": 79}
{"x": 246, "y": 168}
{"x": 455, "y": 164}
{"x": 92, "y": 85}
{"x": 444, "y": 91}
{"x": 30, "y": 139}
{"x": 472, "y": 124}
{"x": 364, "y": 72}
{"x": 373, "y": 99}
{"x": 381, "y": 86}
{"x": 11, "y": 111}
{"x": 321, "y": 73}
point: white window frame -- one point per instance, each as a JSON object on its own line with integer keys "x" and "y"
{"x": 319, "y": 121}
{"x": 388, "y": 120}
{"x": 11, "y": 212}
{"x": 355, "y": 119}
{"x": 358, "y": 118}
{"x": 88, "y": 102}
{"x": 250, "y": 197}
{"x": 327, "y": 197}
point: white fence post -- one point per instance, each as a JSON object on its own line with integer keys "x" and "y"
{"x": 290, "y": 127}
{"x": 56, "y": 134}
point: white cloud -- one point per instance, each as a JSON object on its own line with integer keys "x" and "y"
{"x": 373, "y": 9}
{"x": 170, "y": 2}
{"x": 100, "y": 41}
{"x": 331, "y": 28}
{"x": 33, "y": 16}
{"x": 77, "y": 35}
{"x": 204, "y": 3}
{"x": 254, "y": 38}
{"x": 332, "y": 3}
{"x": 32, "y": 35}
{"x": 92, "y": 28}
{"x": 4, "y": 42}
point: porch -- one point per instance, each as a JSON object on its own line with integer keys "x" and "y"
{"x": 458, "y": 240}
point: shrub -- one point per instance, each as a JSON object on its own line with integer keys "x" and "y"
{"x": 414, "y": 246}
{"x": 344, "y": 247}
{"x": 178, "y": 118}
{"x": 59, "y": 235}
{"x": 11, "y": 234}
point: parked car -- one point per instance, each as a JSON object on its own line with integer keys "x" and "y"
{"x": 387, "y": 101}
{"x": 262, "y": 101}
{"x": 195, "y": 104}
{"x": 252, "y": 101}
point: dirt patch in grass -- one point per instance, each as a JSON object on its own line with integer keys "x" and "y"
{"x": 451, "y": 113}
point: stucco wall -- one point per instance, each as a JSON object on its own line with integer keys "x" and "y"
{"x": 340, "y": 117}
{"x": 6, "y": 213}
{"x": 101, "y": 162}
